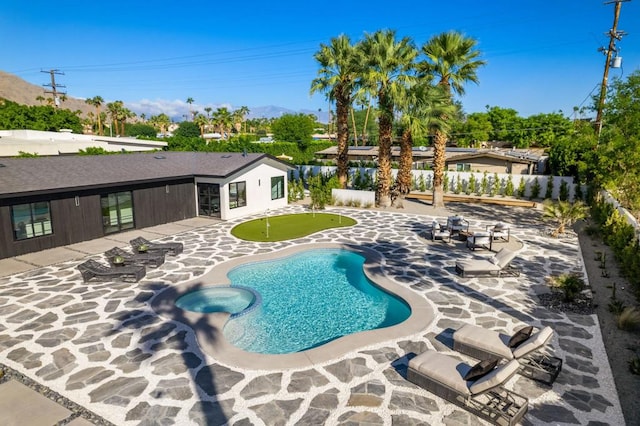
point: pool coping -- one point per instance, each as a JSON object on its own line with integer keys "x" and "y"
{"x": 208, "y": 327}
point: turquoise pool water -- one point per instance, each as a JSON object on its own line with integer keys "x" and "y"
{"x": 309, "y": 299}
{"x": 217, "y": 299}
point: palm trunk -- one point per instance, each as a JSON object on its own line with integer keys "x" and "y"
{"x": 439, "y": 149}
{"x": 364, "y": 128}
{"x": 403, "y": 181}
{"x": 385, "y": 124}
{"x": 355, "y": 130}
{"x": 342, "y": 117}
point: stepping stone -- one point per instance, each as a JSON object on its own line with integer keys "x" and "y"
{"x": 21, "y": 405}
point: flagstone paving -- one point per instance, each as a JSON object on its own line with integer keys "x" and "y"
{"x": 103, "y": 347}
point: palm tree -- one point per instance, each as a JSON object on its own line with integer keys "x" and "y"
{"x": 222, "y": 120}
{"x": 340, "y": 66}
{"x": 564, "y": 214}
{"x": 243, "y": 111}
{"x": 40, "y": 99}
{"x": 201, "y": 121}
{"x": 452, "y": 59}
{"x": 191, "y": 113}
{"x": 422, "y": 110}
{"x": 97, "y": 101}
{"x": 114, "y": 111}
{"x": 388, "y": 72}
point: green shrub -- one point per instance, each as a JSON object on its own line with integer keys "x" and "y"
{"x": 616, "y": 307}
{"x": 569, "y": 284}
{"x": 521, "y": 188}
{"x": 422, "y": 185}
{"x": 509, "y": 188}
{"x": 549, "y": 191}
{"x": 495, "y": 185}
{"x": 484, "y": 184}
{"x": 535, "y": 189}
{"x": 471, "y": 188}
{"x": 564, "y": 191}
{"x": 458, "y": 187}
{"x": 445, "y": 183}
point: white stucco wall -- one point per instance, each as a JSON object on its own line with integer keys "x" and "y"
{"x": 258, "y": 186}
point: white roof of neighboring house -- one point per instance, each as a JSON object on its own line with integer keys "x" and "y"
{"x": 12, "y": 142}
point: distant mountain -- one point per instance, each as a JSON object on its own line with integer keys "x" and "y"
{"x": 18, "y": 90}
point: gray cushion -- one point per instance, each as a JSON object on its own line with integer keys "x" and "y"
{"x": 484, "y": 339}
{"x": 495, "y": 378}
{"x": 443, "y": 369}
{"x": 534, "y": 342}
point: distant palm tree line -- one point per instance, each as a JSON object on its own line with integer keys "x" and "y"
{"x": 416, "y": 84}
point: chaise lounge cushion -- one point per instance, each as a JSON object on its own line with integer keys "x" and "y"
{"x": 534, "y": 342}
{"x": 520, "y": 336}
{"x": 495, "y": 378}
{"x": 480, "y": 369}
{"x": 488, "y": 340}
{"x": 443, "y": 369}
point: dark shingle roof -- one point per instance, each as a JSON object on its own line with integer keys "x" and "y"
{"x": 45, "y": 174}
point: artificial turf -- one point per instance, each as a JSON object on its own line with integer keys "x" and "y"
{"x": 289, "y": 226}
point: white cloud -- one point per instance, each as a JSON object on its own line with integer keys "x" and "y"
{"x": 176, "y": 109}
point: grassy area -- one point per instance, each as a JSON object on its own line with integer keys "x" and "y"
{"x": 289, "y": 226}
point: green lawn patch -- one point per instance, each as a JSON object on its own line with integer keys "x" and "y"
{"x": 289, "y": 226}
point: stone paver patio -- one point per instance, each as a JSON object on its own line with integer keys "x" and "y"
{"x": 102, "y": 346}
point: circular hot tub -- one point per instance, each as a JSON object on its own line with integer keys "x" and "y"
{"x": 234, "y": 300}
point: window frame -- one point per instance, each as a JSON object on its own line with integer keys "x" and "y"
{"x": 279, "y": 187}
{"x": 28, "y": 230}
{"x": 239, "y": 199}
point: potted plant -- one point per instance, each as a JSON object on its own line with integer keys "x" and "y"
{"x": 143, "y": 248}
{"x": 117, "y": 260}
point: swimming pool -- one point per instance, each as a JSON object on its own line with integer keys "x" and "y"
{"x": 213, "y": 339}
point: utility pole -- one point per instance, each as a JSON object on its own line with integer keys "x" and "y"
{"x": 614, "y": 35}
{"x": 54, "y": 87}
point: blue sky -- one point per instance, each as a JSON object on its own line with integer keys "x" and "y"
{"x": 541, "y": 57}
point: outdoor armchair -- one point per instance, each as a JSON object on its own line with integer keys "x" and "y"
{"x": 172, "y": 249}
{"x": 153, "y": 259}
{"x": 92, "y": 269}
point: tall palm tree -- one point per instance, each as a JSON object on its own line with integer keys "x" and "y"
{"x": 453, "y": 60}
{"x": 389, "y": 72}
{"x": 222, "y": 119}
{"x": 421, "y": 110}
{"x": 201, "y": 121}
{"x": 97, "y": 102}
{"x": 114, "y": 109}
{"x": 340, "y": 66}
{"x": 190, "y": 101}
{"x": 243, "y": 111}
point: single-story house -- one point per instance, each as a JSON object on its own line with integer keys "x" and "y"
{"x": 42, "y": 143}
{"x": 496, "y": 160}
{"x": 47, "y": 202}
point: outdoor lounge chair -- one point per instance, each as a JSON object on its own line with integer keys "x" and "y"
{"x": 172, "y": 249}
{"x": 92, "y": 269}
{"x": 497, "y": 265}
{"x": 481, "y": 343}
{"x": 457, "y": 224}
{"x": 479, "y": 240}
{"x": 485, "y": 397}
{"x": 153, "y": 259}
{"x": 500, "y": 231}
{"x": 439, "y": 232}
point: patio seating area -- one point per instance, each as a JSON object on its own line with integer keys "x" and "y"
{"x": 101, "y": 345}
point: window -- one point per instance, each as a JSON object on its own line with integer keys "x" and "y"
{"x": 31, "y": 220}
{"x": 277, "y": 187}
{"x": 237, "y": 194}
{"x": 117, "y": 212}
{"x": 463, "y": 167}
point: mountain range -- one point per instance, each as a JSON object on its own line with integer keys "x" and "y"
{"x": 16, "y": 89}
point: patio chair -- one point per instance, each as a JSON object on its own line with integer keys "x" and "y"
{"x": 499, "y": 231}
{"x": 479, "y": 240}
{"x": 497, "y": 265}
{"x": 524, "y": 346}
{"x": 457, "y": 224}
{"x": 485, "y": 396}
{"x": 439, "y": 232}
{"x": 153, "y": 259}
{"x": 171, "y": 249}
{"x": 92, "y": 269}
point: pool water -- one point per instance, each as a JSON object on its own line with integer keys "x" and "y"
{"x": 217, "y": 299}
{"x": 309, "y": 299}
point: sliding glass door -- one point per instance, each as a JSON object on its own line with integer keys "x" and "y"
{"x": 117, "y": 212}
{"x": 209, "y": 199}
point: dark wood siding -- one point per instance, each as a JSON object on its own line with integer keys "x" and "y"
{"x": 72, "y": 223}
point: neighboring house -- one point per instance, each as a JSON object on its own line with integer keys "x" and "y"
{"x": 12, "y": 142}
{"x": 48, "y": 202}
{"x": 456, "y": 159}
